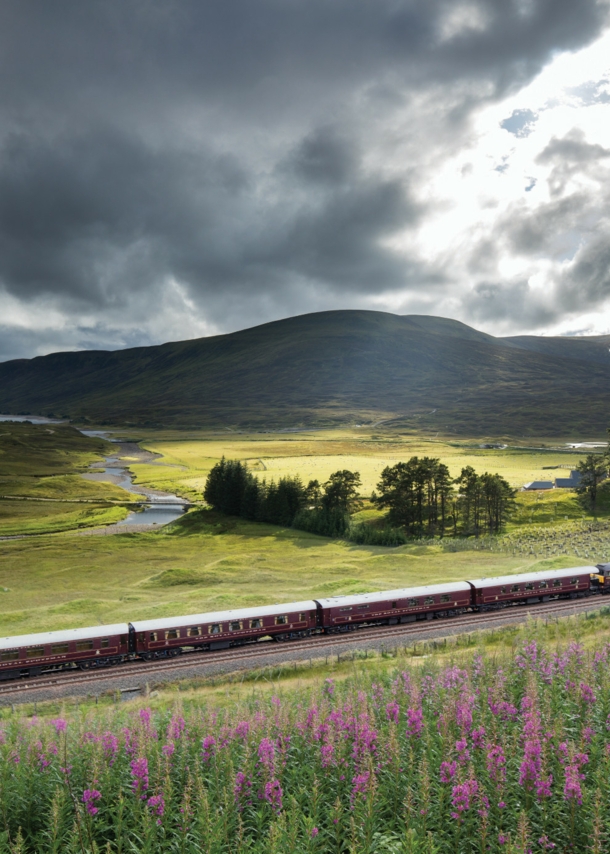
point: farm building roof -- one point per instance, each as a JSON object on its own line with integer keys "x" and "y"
{"x": 539, "y": 484}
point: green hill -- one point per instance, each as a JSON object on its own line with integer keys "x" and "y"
{"x": 326, "y": 368}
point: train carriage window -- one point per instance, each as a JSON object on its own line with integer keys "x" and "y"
{"x": 35, "y": 652}
{"x": 412, "y": 603}
{"x": 362, "y": 607}
{"x": 343, "y": 610}
{"x": 281, "y": 620}
{"x": 515, "y": 588}
{"x": 9, "y": 655}
{"x": 193, "y": 631}
{"x": 529, "y": 586}
{"x": 84, "y": 646}
{"x": 544, "y": 585}
{"x": 445, "y": 597}
{"x": 257, "y": 623}
{"x": 235, "y": 625}
{"x": 557, "y": 583}
{"x": 429, "y": 600}
{"x": 574, "y": 580}
{"x": 104, "y": 643}
{"x": 215, "y": 628}
{"x": 172, "y": 634}
{"x": 60, "y": 648}
{"x": 152, "y": 636}
{"x": 503, "y": 589}
{"x": 124, "y": 638}
{"x": 302, "y": 618}
{"x": 394, "y": 604}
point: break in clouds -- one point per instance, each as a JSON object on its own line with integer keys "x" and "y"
{"x": 177, "y": 169}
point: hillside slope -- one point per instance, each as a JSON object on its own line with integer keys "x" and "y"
{"x": 327, "y": 368}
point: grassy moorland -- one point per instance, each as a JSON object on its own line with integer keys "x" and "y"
{"x": 41, "y": 488}
{"x": 502, "y": 750}
{"x": 190, "y": 455}
{"x": 206, "y": 562}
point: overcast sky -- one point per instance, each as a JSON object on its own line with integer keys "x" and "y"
{"x": 170, "y": 169}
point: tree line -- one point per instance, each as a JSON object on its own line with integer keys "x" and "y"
{"x": 420, "y": 497}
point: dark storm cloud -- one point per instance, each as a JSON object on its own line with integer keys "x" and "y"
{"x": 238, "y": 148}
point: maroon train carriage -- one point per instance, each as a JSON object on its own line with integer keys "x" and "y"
{"x": 95, "y": 646}
{"x": 222, "y": 629}
{"x": 345, "y": 613}
{"x": 528, "y": 588}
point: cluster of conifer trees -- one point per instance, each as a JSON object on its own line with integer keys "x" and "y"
{"x": 423, "y": 499}
{"x": 420, "y": 496}
{"x": 320, "y": 508}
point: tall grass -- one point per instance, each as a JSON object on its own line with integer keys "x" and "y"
{"x": 502, "y": 754}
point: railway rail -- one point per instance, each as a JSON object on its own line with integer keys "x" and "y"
{"x": 313, "y": 647}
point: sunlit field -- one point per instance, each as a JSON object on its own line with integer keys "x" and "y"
{"x": 315, "y": 455}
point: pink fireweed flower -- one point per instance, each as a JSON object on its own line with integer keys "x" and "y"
{"x": 266, "y": 752}
{"x": 176, "y": 728}
{"x": 360, "y": 785}
{"x": 545, "y": 843}
{"x": 60, "y": 724}
{"x": 415, "y": 722}
{"x": 242, "y": 790}
{"x": 586, "y": 694}
{"x": 156, "y": 804}
{"x": 273, "y": 794}
{"x": 462, "y": 795}
{"x": 168, "y": 749}
{"x": 447, "y": 771}
{"x": 242, "y": 729}
{"x": 392, "y": 711}
{"x": 329, "y": 687}
{"x": 572, "y": 790}
{"x": 110, "y": 744}
{"x": 208, "y": 744}
{"x": 462, "y": 750}
{"x": 327, "y": 751}
{"x": 543, "y": 787}
{"x": 463, "y": 715}
{"x": 495, "y": 762}
{"x": 139, "y": 773}
{"x": 314, "y": 832}
{"x": 530, "y": 768}
{"x": 478, "y": 736}
{"x": 90, "y": 798}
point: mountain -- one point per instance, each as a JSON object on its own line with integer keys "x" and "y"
{"x": 326, "y": 368}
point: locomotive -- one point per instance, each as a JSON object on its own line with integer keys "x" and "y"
{"x": 26, "y": 656}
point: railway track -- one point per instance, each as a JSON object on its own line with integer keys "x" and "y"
{"x": 314, "y": 647}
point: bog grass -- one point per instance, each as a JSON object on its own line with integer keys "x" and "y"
{"x": 208, "y": 562}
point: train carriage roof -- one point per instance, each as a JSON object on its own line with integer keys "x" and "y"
{"x": 223, "y": 616}
{"x": 403, "y": 593}
{"x": 63, "y": 636}
{"x": 481, "y": 583}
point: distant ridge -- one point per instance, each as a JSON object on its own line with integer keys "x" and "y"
{"x": 327, "y": 368}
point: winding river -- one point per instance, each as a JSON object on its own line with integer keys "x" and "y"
{"x": 157, "y": 508}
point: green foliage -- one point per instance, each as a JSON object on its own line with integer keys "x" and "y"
{"x": 232, "y": 489}
{"x": 416, "y": 494}
{"x": 593, "y": 470}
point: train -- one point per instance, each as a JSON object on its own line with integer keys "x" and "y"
{"x": 27, "y": 656}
